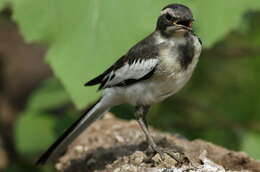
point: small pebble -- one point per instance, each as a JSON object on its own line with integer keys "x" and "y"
{"x": 59, "y": 166}
{"x": 117, "y": 170}
{"x": 126, "y": 159}
{"x": 109, "y": 166}
{"x": 119, "y": 138}
{"x": 138, "y": 157}
{"x": 108, "y": 116}
{"x": 86, "y": 149}
{"x": 79, "y": 149}
{"x": 116, "y": 126}
{"x": 157, "y": 158}
{"x": 128, "y": 168}
{"x": 169, "y": 161}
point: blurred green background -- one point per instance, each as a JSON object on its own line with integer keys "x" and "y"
{"x": 49, "y": 49}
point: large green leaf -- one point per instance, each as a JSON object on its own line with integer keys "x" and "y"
{"x": 217, "y": 18}
{"x": 84, "y": 37}
{"x": 49, "y": 95}
{"x": 2, "y": 4}
{"x": 250, "y": 144}
{"x": 34, "y": 132}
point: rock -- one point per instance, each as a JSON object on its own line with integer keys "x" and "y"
{"x": 137, "y": 158}
{"x": 123, "y": 149}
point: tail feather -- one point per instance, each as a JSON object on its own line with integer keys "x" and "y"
{"x": 58, "y": 147}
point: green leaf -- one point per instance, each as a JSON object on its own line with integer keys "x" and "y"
{"x": 250, "y": 144}
{"x": 34, "y": 132}
{"x": 217, "y": 18}
{"x": 50, "y": 95}
{"x": 85, "y": 37}
{"x": 34, "y": 123}
{"x": 2, "y": 4}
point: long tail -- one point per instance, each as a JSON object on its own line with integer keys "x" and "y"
{"x": 59, "y": 146}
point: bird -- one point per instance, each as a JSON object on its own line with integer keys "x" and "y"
{"x": 152, "y": 70}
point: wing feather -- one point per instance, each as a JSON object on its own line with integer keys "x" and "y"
{"x": 138, "y": 64}
{"x": 134, "y": 71}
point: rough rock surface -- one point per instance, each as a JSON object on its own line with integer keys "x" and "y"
{"x": 113, "y": 145}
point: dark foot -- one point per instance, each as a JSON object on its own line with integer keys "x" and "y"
{"x": 175, "y": 154}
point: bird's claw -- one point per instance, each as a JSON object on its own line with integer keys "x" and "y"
{"x": 178, "y": 156}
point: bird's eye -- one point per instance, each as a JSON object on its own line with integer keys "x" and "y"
{"x": 169, "y": 17}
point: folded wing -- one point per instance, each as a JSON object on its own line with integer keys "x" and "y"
{"x": 138, "y": 64}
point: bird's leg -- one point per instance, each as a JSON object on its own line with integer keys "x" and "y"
{"x": 140, "y": 115}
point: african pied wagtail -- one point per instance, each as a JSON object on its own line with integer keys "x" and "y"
{"x": 151, "y": 71}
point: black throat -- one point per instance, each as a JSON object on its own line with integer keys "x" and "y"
{"x": 186, "y": 51}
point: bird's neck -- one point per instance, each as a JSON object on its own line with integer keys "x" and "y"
{"x": 160, "y": 37}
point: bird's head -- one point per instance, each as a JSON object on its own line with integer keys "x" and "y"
{"x": 175, "y": 19}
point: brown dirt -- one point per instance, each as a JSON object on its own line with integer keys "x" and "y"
{"x": 116, "y": 145}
